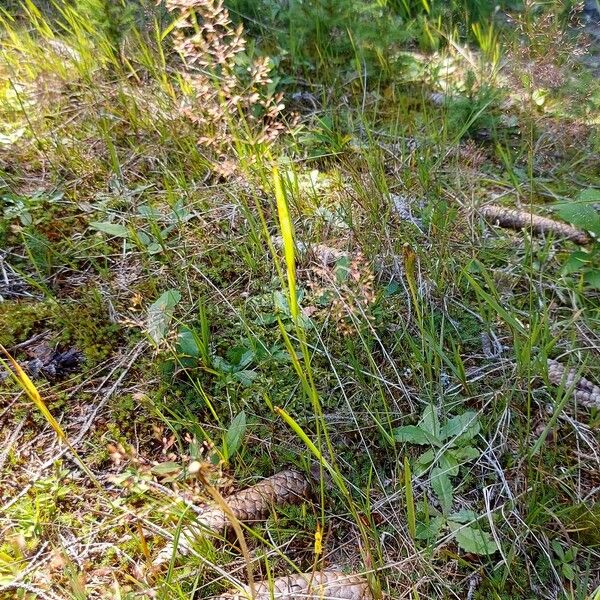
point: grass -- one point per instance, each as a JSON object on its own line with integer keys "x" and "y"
{"x": 254, "y": 287}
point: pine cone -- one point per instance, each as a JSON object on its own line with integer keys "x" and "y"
{"x": 585, "y": 392}
{"x": 517, "y": 219}
{"x": 327, "y": 585}
{"x": 250, "y": 505}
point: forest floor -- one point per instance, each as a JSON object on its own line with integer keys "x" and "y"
{"x": 224, "y": 253}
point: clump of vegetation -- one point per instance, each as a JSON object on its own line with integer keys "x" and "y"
{"x": 271, "y": 230}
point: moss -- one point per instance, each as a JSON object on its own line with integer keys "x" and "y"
{"x": 20, "y": 320}
{"x": 81, "y": 324}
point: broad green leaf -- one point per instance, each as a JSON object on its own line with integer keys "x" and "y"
{"x": 431, "y": 530}
{"x": 111, "y": 228}
{"x": 430, "y": 422}
{"x": 245, "y": 377}
{"x": 568, "y": 571}
{"x": 220, "y": 364}
{"x": 442, "y": 488}
{"x": 342, "y": 269}
{"x": 592, "y": 278}
{"x": 160, "y": 314}
{"x": 186, "y": 344}
{"x": 449, "y": 464}
{"x": 166, "y": 468}
{"x": 558, "y": 549}
{"x": 571, "y": 554}
{"x": 424, "y": 462}
{"x": 281, "y": 303}
{"x": 412, "y": 434}
{"x": 463, "y": 516}
{"x": 234, "y": 435}
{"x": 472, "y": 539}
{"x": 461, "y": 428}
{"x": 464, "y": 454}
{"x": 143, "y": 237}
{"x": 153, "y": 248}
{"x": 149, "y": 212}
{"x": 246, "y": 358}
{"x": 580, "y": 214}
{"x": 590, "y": 195}
{"x": 539, "y": 96}
{"x": 576, "y": 262}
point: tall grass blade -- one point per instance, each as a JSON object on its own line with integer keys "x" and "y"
{"x": 33, "y": 394}
{"x": 411, "y": 515}
{"x": 287, "y": 233}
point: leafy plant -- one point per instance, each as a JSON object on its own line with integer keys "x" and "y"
{"x": 234, "y": 436}
{"x": 564, "y": 560}
{"x": 24, "y": 208}
{"x": 463, "y": 527}
{"x": 160, "y": 314}
{"x": 582, "y": 213}
{"x": 451, "y": 447}
{"x": 152, "y": 235}
{"x": 239, "y": 363}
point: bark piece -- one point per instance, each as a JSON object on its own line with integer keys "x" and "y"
{"x": 326, "y": 585}
{"x": 250, "y": 505}
{"x": 512, "y": 218}
{"x": 585, "y": 392}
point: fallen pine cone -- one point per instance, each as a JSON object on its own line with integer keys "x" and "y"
{"x": 327, "y": 585}
{"x": 585, "y": 392}
{"x": 250, "y": 505}
{"x": 516, "y": 219}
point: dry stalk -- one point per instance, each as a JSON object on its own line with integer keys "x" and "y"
{"x": 512, "y": 218}
{"x": 327, "y": 585}
{"x": 248, "y": 506}
{"x": 585, "y": 392}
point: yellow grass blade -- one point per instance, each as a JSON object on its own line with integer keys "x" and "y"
{"x": 32, "y": 392}
{"x": 287, "y": 233}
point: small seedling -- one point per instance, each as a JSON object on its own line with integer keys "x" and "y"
{"x": 450, "y": 447}
{"x": 564, "y": 560}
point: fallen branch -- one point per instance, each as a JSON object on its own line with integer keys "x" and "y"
{"x": 512, "y": 218}
{"x": 327, "y": 585}
{"x": 585, "y": 392}
{"x": 250, "y": 505}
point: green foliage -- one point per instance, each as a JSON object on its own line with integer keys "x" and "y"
{"x": 234, "y": 436}
{"x": 565, "y": 560}
{"x": 473, "y": 112}
{"x": 354, "y": 34}
{"x": 583, "y": 213}
{"x": 464, "y": 315}
{"x": 160, "y": 314}
{"x": 463, "y": 526}
{"x": 451, "y": 448}
{"x": 113, "y": 19}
